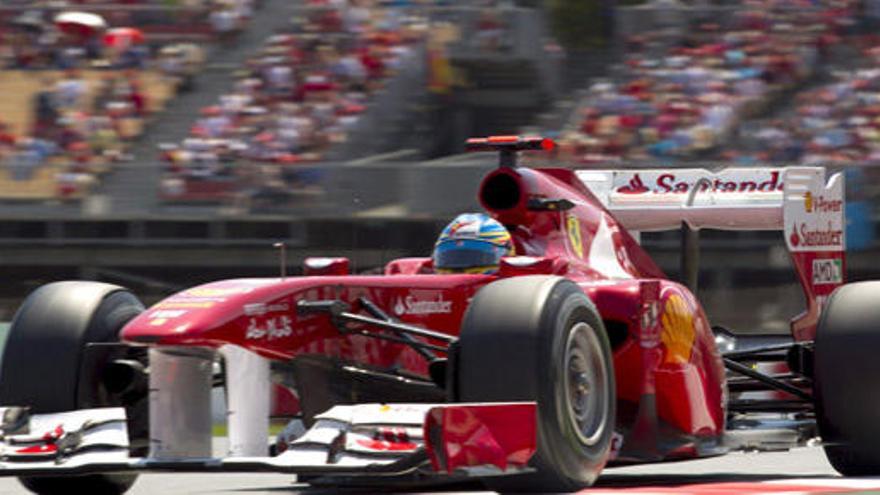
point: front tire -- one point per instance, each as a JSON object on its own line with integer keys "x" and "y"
{"x": 846, "y": 375}
{"x": 539, "y": 338}
{"x": 43, "y": 364}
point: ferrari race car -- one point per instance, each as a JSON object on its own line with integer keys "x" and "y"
{"x": 577, "y": 353}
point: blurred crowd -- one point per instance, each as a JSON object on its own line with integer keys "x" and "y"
{"x": 836, "y": 123}
{"x": 82, "y": 125}
{"x": 85, "y": 89}
{"x": 46, "y": 36}
{"x": 693, "y": 87}
{"x": 299, "y": 95}
{"x": 684, "y": 92}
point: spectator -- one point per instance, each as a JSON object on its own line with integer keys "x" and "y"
{"x": 7, "y": 138}
{"x": 136, "y": 95}
{"x": 45, "y": 110}
{"x": 225, "y": 21}
{"x": 104, "y": 95}
{"x": 28, "y": 154}
{"x": 70, "y": 91}
{"x": 181, "y": 62}
{"x": 489, "y": 30}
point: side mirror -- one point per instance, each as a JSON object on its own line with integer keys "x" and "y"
{"x": 326, "y": 266}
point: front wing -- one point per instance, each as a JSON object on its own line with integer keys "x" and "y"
{"x": 359, "y": 440}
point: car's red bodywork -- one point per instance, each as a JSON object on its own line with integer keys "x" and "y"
{"x": 410, "y": 375}
{"x": 669, "y": 374}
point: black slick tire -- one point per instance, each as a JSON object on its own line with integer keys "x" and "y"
{"x": 521, "y": 340}
{"x": 42, "y": 364}
{"x": 847, "y": 371}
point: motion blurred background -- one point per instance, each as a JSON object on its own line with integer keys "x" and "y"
{"x": 158, "y": 144}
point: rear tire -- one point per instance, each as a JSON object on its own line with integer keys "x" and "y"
{"x": 42, "y": 364}
{"x": 846, "y": 375}
{"x": 539, "y": 338}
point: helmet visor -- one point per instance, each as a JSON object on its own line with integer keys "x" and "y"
{"x": 460, "y": 254}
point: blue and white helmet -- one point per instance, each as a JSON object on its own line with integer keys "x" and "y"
{"x": 472, "y": 243}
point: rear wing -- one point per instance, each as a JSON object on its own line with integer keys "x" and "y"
{"x": 796, "y": 200}
{"x": 730, "y": 199}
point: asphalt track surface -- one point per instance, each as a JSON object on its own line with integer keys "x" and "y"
{"x": 802, "y": 470}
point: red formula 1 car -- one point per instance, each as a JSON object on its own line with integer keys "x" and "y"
{"x": 577, "y": 353}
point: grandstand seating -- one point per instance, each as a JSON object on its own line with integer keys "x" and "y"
{"x": 69, "y": 175}
{"x": 685, "y": 90}
{"x": 42, "y": 186}
{"x": 162, "y": 20}
{"x": 834, "y": 123}
{"x": 681, "y": 95}
{"x": 116, "y": 103}
{"x": 296, "y": 98}
{"x": 17, "y": 112}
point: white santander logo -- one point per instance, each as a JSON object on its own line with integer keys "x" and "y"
{"x": 668, "y": 183}
{"x": 411, "y": 305}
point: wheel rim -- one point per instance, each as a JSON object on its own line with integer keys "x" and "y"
{"x": 586, "y": 384}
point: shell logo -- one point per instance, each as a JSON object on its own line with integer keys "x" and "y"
{"x": 677, "y": 333}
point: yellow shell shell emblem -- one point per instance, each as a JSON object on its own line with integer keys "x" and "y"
{"x": 573, "y": 229}
{"x": 678, "y": 333}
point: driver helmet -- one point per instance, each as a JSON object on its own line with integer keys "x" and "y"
{"x": 472, "y": 243}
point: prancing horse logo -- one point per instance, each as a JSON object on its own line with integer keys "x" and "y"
{"x": 573, "y": 228}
